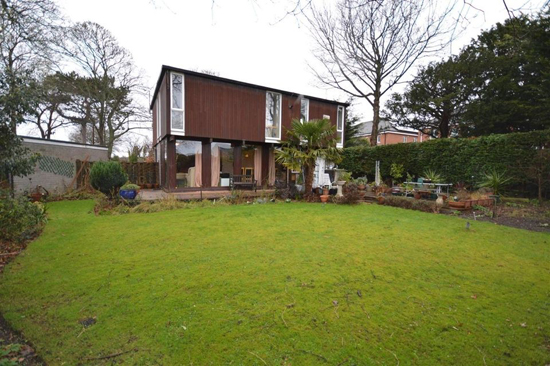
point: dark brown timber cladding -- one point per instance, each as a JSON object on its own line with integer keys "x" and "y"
{"x": 215, "y": 109}
{"x": 318, "y": 109}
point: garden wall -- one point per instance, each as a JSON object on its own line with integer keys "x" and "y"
{"x": 462, "y": 160}
{"x": 56, "y": 167}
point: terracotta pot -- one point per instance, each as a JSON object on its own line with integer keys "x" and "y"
{"x": 361, "y": 187}
{"x": 417, "y": 196}
{"x": 453, "y": 204}
{"x": 325, "y": 191}
{"x": 156, "y": 186}
{"x": 381, "y": 200}
{"x": 324, "y": 198}
{"x": 35, "y": 197}
{"x": 149, "y": 185}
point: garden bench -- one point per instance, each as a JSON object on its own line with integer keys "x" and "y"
{"x": 243, "y": 181}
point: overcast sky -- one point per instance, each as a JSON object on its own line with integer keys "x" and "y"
{"x": 245, "y": 40}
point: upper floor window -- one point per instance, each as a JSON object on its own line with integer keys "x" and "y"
{"x": 177, "y": 102}
{"x": 304, "y": 110}
{"x": 159, "y": 116}
{"x": 340, "y": 127}
{"x": 273, "y": 116}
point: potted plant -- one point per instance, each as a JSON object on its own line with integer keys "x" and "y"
{"x": 326, "y": 190}
{"x": 324, "y": 198}
{"x": 361, "y": 183}
{"x": 129, "y": 191}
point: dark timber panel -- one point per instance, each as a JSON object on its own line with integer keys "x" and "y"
{"x": 318, "y": 109}
{"x": 221, "y": 110}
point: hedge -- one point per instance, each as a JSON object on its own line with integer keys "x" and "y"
{"x": 461, "y": 160}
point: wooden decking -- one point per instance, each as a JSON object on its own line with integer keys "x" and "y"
{"x": 157, "y": 194}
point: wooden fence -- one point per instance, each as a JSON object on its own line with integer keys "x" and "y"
{"x": 144, "y": 174}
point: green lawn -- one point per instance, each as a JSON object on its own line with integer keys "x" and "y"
{"x": 281, "y": 284}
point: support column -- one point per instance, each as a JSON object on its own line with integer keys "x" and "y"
{"x": 265, "y": 164}
{"x": 206, "y": 164}
{"x": 171, "y": 162}
{"x": 237, "y": 158}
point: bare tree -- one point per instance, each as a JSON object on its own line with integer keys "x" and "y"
{"x": 109, "y": 85}
{"x": 365, "y": 47}
{"x": 27, "y": 29}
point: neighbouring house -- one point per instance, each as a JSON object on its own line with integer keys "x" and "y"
{"x": 208, "y": 129}
{"x": 57, "y": 165}
{"x": 389, "y": 134}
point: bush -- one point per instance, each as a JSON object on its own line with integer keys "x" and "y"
{"x": 410, "y": 204}
{"x": 107, "y": 177}
{"x": 20, "y": 219}
{"x": 351, "y": 195}
{"x": 457, "y": 160}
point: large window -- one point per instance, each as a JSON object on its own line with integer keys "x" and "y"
{"x": 304, "y": 110}
{"x": 188, "y": 164}
{"x": 273, "y": 116}
{"x": 177, "y": 103}
{"x": 159, "y": 116}
{"x": 340, "y": 127}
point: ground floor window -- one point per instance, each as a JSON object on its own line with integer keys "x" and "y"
{"x": 188, "y": 164}
{"x": 222, "y": 164}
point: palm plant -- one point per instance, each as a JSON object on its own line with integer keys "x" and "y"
{"x": 305, "y": 143}
{"x": 495, "y": 180}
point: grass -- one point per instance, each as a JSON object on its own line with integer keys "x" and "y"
{"x": 281, "y": 284}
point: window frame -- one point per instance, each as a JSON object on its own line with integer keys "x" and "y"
{"x": 378, "y": 139}
{"x": 307, "y": 110}
{"x": 274, "y": 139}
{"x": 404, "y": 139}
{"x": 172, "y": 109}
{"x": 340, "y": 143}
{"x": 159, "y": 116}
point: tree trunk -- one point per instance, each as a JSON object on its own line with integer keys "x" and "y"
{"x": 375, "y": 119}
{"x": 444, "y": 128}
{"x": 308, "y": 184}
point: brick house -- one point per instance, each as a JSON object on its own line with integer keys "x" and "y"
{"x": 389, "y": 134}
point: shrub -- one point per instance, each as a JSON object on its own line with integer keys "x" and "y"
{"x": 456, "y": 160}
{"x": 130, "y": 186}
{"x": 20, "y": 219}
{"x": 107, "y": 177}
{"x": 351, "y": 195}
{"x": 410, "y": 204}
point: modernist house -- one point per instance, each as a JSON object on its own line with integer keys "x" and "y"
{"x": 389, "y": 134}
{"x": 207, "y": 129}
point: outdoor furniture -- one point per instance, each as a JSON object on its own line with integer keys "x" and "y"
{"x": 243, "y": 181}
{"x": 424, "y": 189}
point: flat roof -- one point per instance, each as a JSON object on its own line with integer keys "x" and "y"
{"x": 40, "y": 140}
{"x": 236, "y": 82}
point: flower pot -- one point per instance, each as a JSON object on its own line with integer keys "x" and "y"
{"x": 149, "y": 185}
{"x": 156, "y": 186}
{"x": 128, "y": 194}
{"x": 35, "y": 197}
{"x": 361, "y": 187}
{"x": 417, "y": 195}
{"x": 457, "y": 205}
{"x": 325, "y": 191}
{"x": 324, "y": 198}
{"x": 381, "y": 200}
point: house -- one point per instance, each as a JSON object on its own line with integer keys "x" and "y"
{"x": 207, "y": 129}
{"x": 389, "y": 134}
